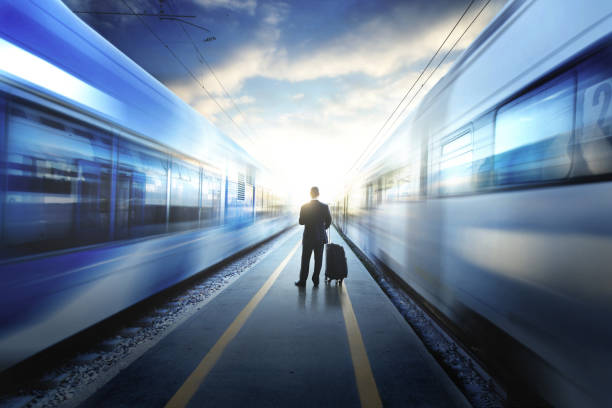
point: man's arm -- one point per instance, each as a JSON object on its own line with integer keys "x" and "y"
{"x": 327, "y": 217}
{"x": 301, "y": 221}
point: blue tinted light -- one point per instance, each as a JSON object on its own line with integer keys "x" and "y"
{"x": 28, "y": 67}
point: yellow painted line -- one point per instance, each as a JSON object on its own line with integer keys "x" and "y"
{"x": 368, "y": 392}
{"x": 193, "y": 382}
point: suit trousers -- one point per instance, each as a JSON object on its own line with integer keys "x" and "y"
{"x": 307, "y": 251}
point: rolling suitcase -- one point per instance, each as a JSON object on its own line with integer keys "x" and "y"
{"x": 335, "y": 262}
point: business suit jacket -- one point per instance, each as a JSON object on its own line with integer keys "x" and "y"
{"x": 315, "y": 218}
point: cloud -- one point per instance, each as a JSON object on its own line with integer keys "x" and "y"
{"x": 274, "y": 13}
{"x": 385, "y": 53}
{"x": 375, "y": 48}
{"x": 214, "y": 109}
{"x": 247, "y": 6}
{"x": 245, "y": 62}
{"x": 108, "y": 22}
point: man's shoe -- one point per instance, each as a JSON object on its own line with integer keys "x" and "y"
{"x": 315, "y": 283}
{"x": 301, "y": 284}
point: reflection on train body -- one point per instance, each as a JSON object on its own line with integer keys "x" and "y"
{"x": 112, "y": 189}
{"x": 60, "y": 187}
{"x": 493, "y": 201}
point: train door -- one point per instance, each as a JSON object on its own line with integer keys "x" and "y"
{"x": 141, "y": 191}
{"x": 129, "y": 212}
{"x": 3, "y": 158}
{"x": 133, "y": 187}
{"x": 58, "y": 181}
{"x": 92, "y": 212}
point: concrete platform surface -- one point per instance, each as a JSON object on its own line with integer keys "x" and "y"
{"x": 263, "y": 342}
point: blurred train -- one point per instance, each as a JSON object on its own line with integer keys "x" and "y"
{"x": 493, "y": 201}
{"x": 112, "y": 189}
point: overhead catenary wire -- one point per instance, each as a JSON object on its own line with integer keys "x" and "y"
{"x": 118, "y": 13}
{"x": 373, "y": 140}
{"x": 441, "y": 61}
{"x": 189, "y": 71}
{"x": 197, "y": 50}
{"x": 162, "y": 17}
{"x": 212, "y": 71}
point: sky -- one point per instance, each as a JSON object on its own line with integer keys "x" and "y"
{"x": 304, "y": 86}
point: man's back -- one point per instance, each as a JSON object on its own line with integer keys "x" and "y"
{"x": 316, "y": 218}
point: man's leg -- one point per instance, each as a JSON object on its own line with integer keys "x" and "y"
{"x": 318, "y": 253}
{"x": 306, "y": 252}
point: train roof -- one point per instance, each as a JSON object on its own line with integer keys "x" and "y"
{"x": 499, "y": 20}
{"x": 393, "y": 147}
{"x": 101, "y": 80}
{"x": 527, "y": 40}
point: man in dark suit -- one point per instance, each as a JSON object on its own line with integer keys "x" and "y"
{"x": 315, "y": 218}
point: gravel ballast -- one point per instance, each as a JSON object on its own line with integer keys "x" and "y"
{"x": 77, "y": 378}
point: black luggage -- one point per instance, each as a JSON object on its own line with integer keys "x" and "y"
{"x": 335, "y": 263}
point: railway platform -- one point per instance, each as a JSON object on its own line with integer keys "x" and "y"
{"x": 264, "y": 342}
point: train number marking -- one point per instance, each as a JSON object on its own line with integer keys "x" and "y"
{"x": 604, "y": 89}
{"x": 597, "y": 117}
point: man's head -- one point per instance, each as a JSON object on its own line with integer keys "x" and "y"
{"x": 314, "y": 192}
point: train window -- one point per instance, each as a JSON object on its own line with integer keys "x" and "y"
{"x": 483, "y": 130}
{"x": 593, "y": 153}
{"x": 211, "y": 199}
{"x": 3, "y": 115}
{"x": 260, "y": 208}
{"x": 142, "y": 175}
{"x": 239, "y": 198}
{"x": 51, "y": 123}
{"x": 240, "y": 187}
{"x": 390, "y": 187}
{"x": 369, "y": 196}
{"x": 533, "y": 134}
{"x": 264, "y": 203}
{"x": 395, "y": 185}
{"x": 248, "y": 193}
{"x": 58, "y": 183}
{"x": 406, "y": 185}
{"x": 184, "y": 191}
{"x": 273, "y": 204}
{"x": 456, "y": 163}
{"x": 15, "y": 111}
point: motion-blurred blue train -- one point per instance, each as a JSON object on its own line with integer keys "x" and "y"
{"x": 493, "y": 201}
{"x": 111, "y": 188}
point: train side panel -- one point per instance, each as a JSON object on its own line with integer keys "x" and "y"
{"x": 111, "y": 188}
{"x": 46, "y": 300}
{"x": 511, "y": 226}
